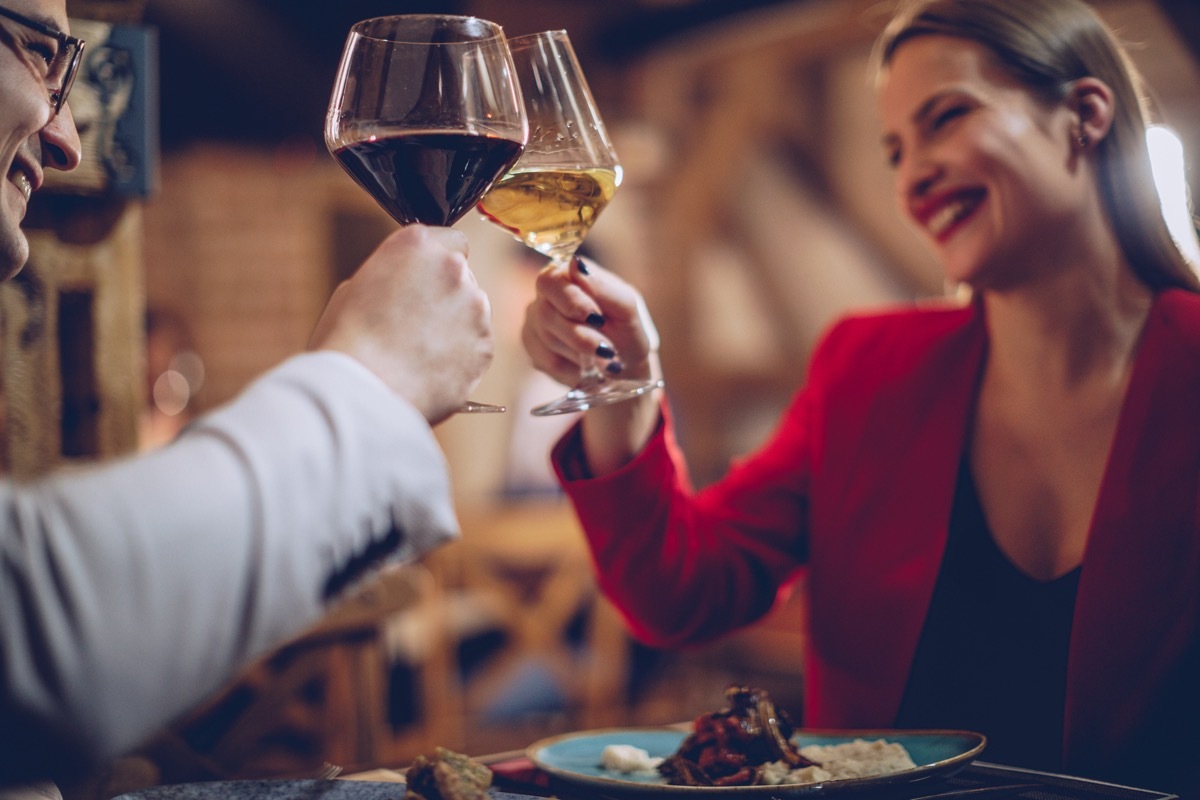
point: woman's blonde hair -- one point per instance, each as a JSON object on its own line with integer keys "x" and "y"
{"x": 1047, "y": 45}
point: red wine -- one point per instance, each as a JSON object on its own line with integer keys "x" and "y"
{"x": 429, "y": 177}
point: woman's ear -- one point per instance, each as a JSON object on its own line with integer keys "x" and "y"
{"x": 1091, "y": 101}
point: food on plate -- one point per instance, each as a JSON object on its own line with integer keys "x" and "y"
{"x": 447, "y": 775}
{"x": 730, "y": 747}
{"x": 860, "y": 758}
{"x": 628, "y": 759}
{"x": 749, "y": 743}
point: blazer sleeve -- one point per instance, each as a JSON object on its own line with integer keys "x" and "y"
{"x": 686, "y": 566}
{"x": 130, "y": 590}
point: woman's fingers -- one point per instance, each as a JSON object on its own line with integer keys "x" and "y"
{"x": 627, "y": 322}
{"x": 587, "y": 313}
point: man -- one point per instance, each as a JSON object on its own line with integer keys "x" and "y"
{"x": 130, "y": 590}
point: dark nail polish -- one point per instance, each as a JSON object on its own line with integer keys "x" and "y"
{"x": 582, "y": 267}
{"x": 614, "y": 367}
{"x": 595, "y": 320}
{"x": 604, "y": 351}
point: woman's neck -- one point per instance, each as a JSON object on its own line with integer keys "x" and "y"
{"x": 1075, "y": 327}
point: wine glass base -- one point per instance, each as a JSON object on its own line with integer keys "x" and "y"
{"x": 471, "y": 407}
{"x": 593, "y": 395}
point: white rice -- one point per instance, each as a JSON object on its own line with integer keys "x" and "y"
{"x": 857, "y": 759}
{"x": 777, "y": 772}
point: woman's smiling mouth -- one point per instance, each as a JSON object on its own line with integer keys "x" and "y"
{"x": 940, "y": 217}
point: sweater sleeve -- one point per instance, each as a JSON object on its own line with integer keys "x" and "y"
{"x": 131, "y": 589}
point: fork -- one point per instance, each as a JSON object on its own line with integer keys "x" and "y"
{"x": 327, "y": 772}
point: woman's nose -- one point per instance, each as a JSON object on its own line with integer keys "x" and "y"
{"x": 917, "y": 179}
{"x": 61, "y": 148}
{"x": 915, "y": 182}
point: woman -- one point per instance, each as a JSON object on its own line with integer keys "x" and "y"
{"x": 996, "y": 504}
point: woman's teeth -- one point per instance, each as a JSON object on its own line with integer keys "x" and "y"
{"x": 949, "y": 214}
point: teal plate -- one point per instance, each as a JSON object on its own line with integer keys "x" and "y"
{"x": 574, "y": 759}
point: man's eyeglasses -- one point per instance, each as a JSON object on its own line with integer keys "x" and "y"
{"x": 60, "y": 53}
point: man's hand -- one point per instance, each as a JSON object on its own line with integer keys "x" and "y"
{"x": 414, "y": 315}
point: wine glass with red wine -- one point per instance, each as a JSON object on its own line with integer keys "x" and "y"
{"x": 566, "y": 176}
{"x": 425, "y": 115}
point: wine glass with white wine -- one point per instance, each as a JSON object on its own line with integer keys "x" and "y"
{"x": 425, "y": 114}
{"x": 565, "y": 177}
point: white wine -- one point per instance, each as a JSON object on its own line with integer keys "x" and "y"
{"x": 550, "y": 209}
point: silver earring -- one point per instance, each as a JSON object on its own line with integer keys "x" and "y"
{"x": 1084, "y": 140}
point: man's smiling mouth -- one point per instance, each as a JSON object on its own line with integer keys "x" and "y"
{"x": 22, "y": 182}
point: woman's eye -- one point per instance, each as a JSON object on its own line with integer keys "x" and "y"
{"x": 948, "y": 115}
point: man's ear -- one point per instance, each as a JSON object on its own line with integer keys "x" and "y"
{"x": 1092, "y": 102}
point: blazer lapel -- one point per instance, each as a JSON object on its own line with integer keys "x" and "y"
{"x": 891, "y": 498}
{"x": 1135, "y": 611}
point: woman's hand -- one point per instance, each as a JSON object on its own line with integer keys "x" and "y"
{"x": 589, "y": 310}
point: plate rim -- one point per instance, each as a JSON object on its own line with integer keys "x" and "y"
{"x": 628, "y": 787}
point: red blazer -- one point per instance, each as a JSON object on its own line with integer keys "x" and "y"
{"x": 856, "y": 485}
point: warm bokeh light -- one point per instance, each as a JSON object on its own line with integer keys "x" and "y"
{"x": 1166, "y": 158}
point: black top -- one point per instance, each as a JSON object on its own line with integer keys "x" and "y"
{"x": 993, "y": 653}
